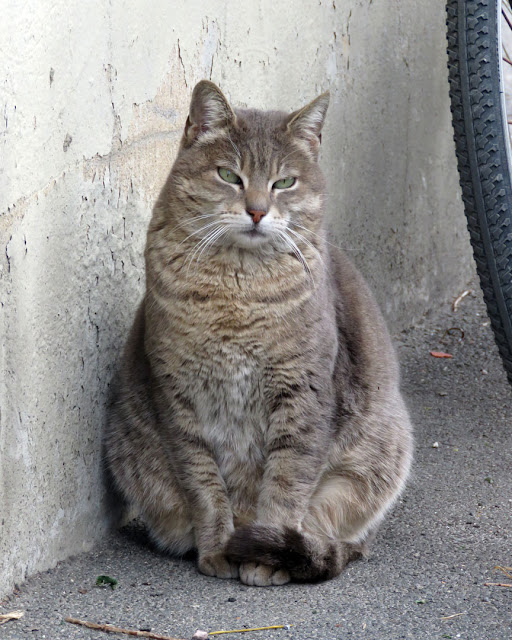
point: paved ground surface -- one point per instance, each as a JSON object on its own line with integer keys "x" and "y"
{"x": 431, "y": 559}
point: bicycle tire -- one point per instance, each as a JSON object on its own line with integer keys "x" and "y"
{"x": 483, "y": 154}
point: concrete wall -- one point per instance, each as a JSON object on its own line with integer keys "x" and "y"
{"x": 93, "y": 98}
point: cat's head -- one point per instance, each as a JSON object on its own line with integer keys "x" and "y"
{"x": 249, "y": 178}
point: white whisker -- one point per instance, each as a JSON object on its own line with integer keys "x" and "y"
{"x": 198, "y": 246}
{"x": 318, "y": 235}
{"x": 298, "y": 253}
{"x": 308, "y": 243}
{"x": 194, "y": 218}
{"x": 208, "y": 239}
{"x": 212, "y": 241}
{"x": 203, "y": 228}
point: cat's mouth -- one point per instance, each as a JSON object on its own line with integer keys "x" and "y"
{"x": 254, "y": 232}
{"x": 251, "y": 238}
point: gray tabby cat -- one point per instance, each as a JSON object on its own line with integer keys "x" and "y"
{"x": 257, "y": 415}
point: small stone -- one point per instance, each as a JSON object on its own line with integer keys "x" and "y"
{"x": 231, "y": 599}
{"x": 435, "y": 445}
{"x": 200, "y": 635}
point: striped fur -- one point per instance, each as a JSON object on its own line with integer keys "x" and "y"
{"x": 257, "y": 416}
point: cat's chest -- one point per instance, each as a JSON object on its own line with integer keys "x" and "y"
{"x": 232, "y": 412}
{"x": 222, "y": 348}
{"x": 227, "y": 354}
{"x": 229, "y": 391}
{"x": 231, "y": 339}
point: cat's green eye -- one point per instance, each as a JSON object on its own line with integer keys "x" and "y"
{"x": 229, "y": 176}
{"x": 284, "y": 183}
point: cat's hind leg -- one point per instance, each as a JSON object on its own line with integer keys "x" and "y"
{"x": 144, "y": 476}
{"x": 135, "y": 454}
{"x": 359, "y": 487}
{"x": 170, "y": 530}
{"x": 335, "y": 531}
{"x": 354, "y": 496}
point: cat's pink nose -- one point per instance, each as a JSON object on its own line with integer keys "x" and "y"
{"x": 256, "y": 215}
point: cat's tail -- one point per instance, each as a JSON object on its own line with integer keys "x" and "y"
{"x": 307, "y": 558}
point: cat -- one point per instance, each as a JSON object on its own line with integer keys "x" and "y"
{"x": 257, "y": 417}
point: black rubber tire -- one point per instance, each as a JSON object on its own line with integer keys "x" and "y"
{"x": 479, "y": 133}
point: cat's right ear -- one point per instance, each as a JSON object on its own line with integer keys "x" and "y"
{"x": 307, "y": 123}
{"x": 209, "y": 110}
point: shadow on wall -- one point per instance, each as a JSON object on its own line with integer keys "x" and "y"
{"x": 76, "y": 277}
{"x": 73, "y": 274}
{"x": 394, "y": 201}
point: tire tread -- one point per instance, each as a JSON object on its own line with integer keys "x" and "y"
{"x": 473, "y": 75}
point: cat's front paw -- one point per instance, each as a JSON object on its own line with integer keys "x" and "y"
{"x": 217, "y": 566}
{"x": 261, "y": 575}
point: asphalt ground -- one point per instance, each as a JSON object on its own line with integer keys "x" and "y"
{"x": 431, "y": 560}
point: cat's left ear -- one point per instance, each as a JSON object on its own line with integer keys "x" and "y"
{"x": 307, "y": 123}
{"x": 209, "y": 110}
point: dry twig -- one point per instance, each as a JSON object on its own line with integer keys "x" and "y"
{"x": 13, "y": 615}
{"x": 458, "y": 299}
{"x": 110, "y": 628}
{"x": 505, "y": 570}
{"x": 454, "y": 615}
{"x": 276, "y": 626}
{"x": 497, "y": 584}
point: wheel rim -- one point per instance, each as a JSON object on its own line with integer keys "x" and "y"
{"x": 505, "y": 47}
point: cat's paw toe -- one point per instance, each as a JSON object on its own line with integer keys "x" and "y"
{"x": 217, "y": 566}
{"x": 261, "y": 575}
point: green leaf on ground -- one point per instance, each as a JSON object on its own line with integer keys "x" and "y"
{"x": 104, "y": 581}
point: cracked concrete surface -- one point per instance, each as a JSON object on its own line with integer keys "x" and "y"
{"x": 93, "y": 101}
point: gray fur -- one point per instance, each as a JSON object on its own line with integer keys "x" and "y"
{"x": 257, "y": 417}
